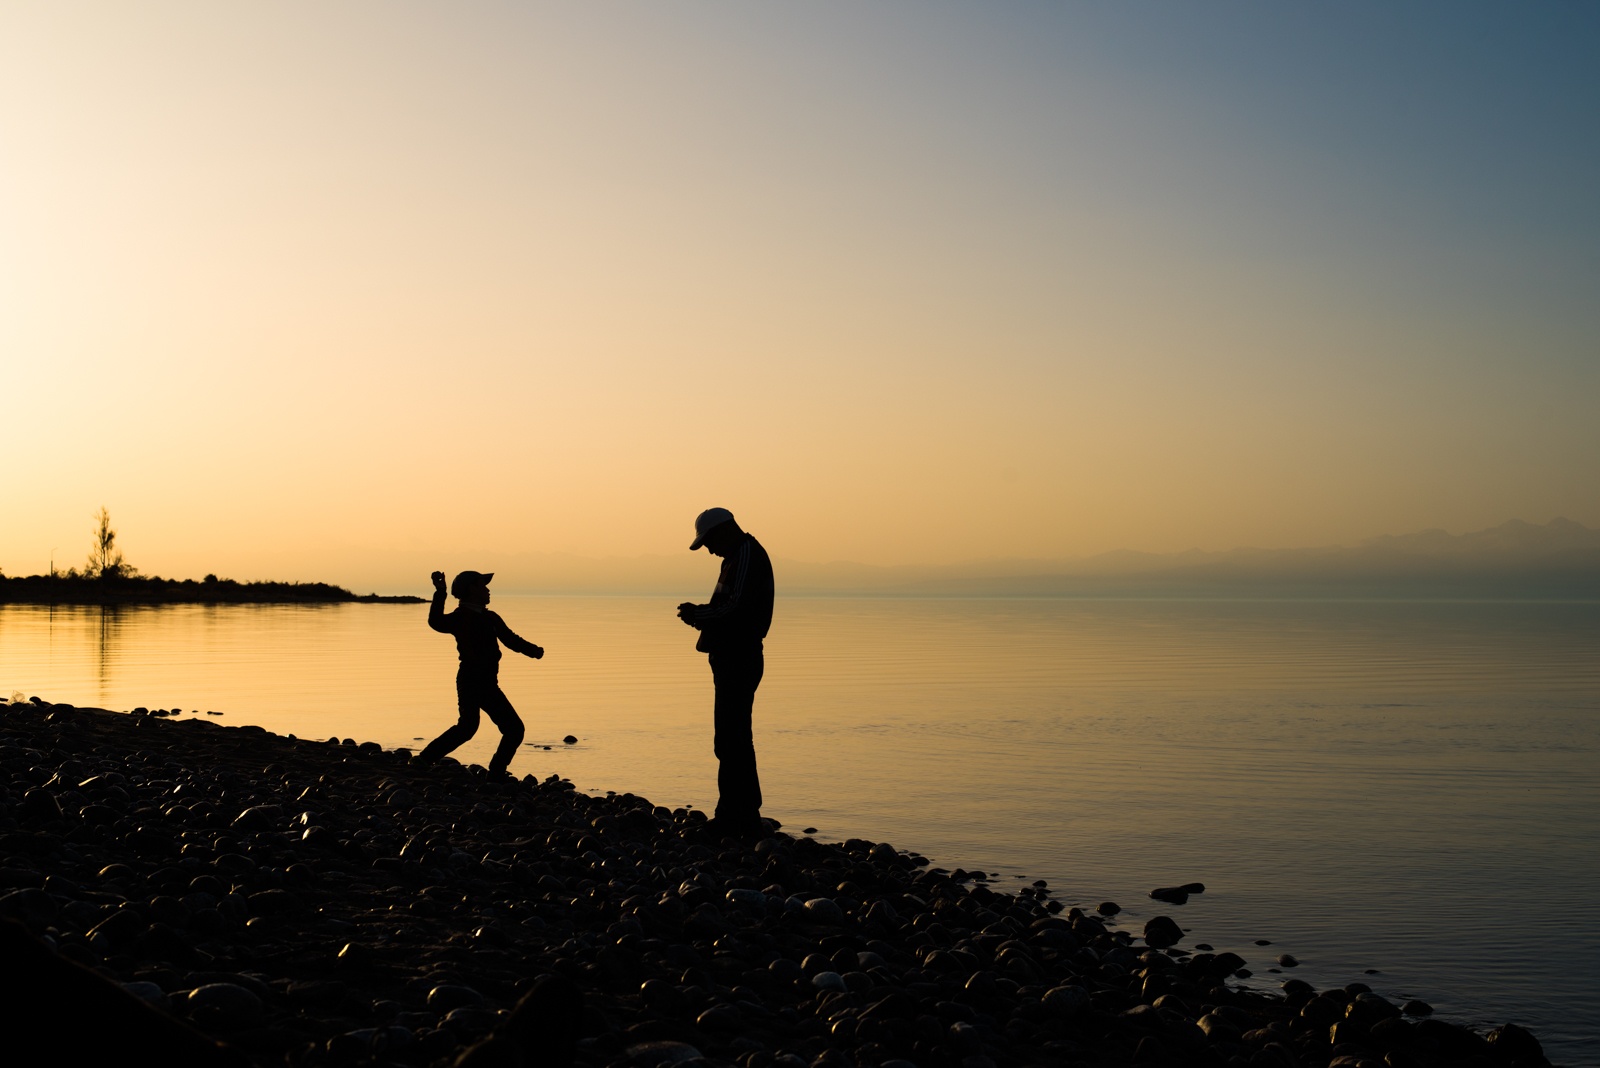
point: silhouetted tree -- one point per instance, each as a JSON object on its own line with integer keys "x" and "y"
{"x": 105, "y": 559}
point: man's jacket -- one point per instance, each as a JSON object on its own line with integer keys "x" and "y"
{"x": 740, "y": 611}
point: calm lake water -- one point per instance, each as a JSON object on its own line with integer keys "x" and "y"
{"x": 1407, "y": 787}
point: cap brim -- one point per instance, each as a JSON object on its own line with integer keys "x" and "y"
{"x": 696, "y": 544}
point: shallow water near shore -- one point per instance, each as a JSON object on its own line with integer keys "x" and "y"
{"x": 1407, "y": 787}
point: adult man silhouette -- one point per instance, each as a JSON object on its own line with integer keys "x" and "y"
{"x": 733, "y": 625}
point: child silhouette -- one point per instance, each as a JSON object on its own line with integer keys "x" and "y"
{"x": 479, "y": 634}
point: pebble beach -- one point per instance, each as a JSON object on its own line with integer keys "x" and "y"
{"x": 240, "y": 897}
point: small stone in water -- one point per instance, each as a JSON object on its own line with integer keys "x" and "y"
{"x": 1287, "y": 960}
{"x": 570, "y": 739}
{"x": 1108, "y": 908}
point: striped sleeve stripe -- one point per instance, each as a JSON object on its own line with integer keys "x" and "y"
{"x": 742, "y": 568}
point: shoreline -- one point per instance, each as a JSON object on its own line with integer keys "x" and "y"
{"x": 332, "y": 903}
{"x": 53, "y": 590}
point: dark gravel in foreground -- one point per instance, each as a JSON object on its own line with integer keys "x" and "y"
{"x": 328, "y": 903}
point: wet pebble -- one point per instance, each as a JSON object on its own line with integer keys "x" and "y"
{"x": 449, "y": 996}
{"x": 1161, "y": 932}
{"x": 829, "y": 981}
{"x": 380, "y": 910}
{"x": 224, "y": 1006}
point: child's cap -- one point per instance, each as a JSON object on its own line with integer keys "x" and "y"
{"x": 468, "y": 580}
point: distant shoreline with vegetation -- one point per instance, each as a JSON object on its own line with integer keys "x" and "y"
{"x": 108, "y": 578}
{"x": 77, "y": 589}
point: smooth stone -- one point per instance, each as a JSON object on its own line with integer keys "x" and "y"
{"x": 1066, "y": 1001}
{"x": 1515, "y": 1044}
{"x": 32, "y": 907}
{"x": 450, "y": 996}
{"x": 469, "y": 1019}
{"x": 1108, "y": 908}
{"x": 258, "y": 818}
{"x": 785, "y": 969}
{"x": 829, "y": 981}
{"x": 1218, "y": 1029}
{"x": 661, "y": 996}
{"x": 824, "y": 910}
{"x": 720, "y": 1018}
{"x": 149, "y": 993}
{"x": 754, "y": 899}
{"x": 1287, "y": 960}
{"x": 1172, "y": 895}
{"x": 660, "y": 1054}
{"x": 1161, "y": 932}
{"x": 224, "y": 1005}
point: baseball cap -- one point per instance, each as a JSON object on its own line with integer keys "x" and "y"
{"x": 467, "y": 580}
{"x": 705, "y": 521}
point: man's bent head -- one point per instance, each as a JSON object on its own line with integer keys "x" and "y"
{"x": 715, "y": 529}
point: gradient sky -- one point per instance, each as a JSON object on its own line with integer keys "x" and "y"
{"x": 303, "y": 290}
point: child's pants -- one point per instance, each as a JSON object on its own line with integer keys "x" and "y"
{"x": 475, "y": 690}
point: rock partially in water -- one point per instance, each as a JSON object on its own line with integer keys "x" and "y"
{"x": 1161, "y": 932}
{"x": 1515, "y": 1044}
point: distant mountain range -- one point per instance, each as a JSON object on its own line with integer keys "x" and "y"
{"x": 1559, "y": 560}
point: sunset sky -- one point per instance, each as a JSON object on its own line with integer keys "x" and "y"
{"x": 305, "y": 290}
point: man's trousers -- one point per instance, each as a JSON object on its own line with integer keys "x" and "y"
{"x": 736, "y": 676}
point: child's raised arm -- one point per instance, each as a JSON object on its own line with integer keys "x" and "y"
{"x": 436, "y": 609}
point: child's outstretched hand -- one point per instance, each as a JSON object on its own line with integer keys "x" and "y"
{"x": 538, "y": 652}
{"x": 438, "y": 581}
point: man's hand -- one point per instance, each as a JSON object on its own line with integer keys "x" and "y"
{"x": 684, "y": 609}
{"x": 538, "y": 652}
{"x": 438, "y": 581}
